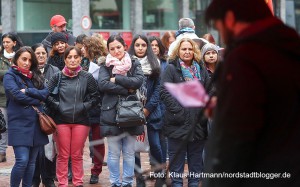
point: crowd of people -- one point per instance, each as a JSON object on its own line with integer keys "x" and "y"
{"x": 79, "y": 82}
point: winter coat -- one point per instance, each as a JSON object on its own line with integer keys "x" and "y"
{"x": 76, "y": 96}
{"x": 49, "y": 71}
{"x": 23, "y": 125}
{"x": 179, "y": 120}
{"x": 112, "y": 91}
{"x": 4, "y": 66}
{"x": 256, "y": 124}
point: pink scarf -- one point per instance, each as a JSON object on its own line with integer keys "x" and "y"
{"x": 71, "y": 73}
{"x": 121, "y": 67}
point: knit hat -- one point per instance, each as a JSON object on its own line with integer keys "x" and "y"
{"x": 58, "y": 36}
{"x": 57, "y": 20}
{"x": 208, "y": 47}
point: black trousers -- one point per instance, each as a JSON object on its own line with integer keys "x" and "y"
{"x": 44, "y": 169}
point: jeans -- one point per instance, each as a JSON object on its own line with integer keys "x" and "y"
{"x": 70, "y": 139}
{"x": 193, "y": 150}
{"x": 116, "y": 145}
{"x": 44, "y": 168}
{"x": 3, "y": 140}
{"x": 24, "y": 166}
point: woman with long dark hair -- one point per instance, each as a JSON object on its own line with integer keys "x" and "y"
{"x": 141, "y": 49}
{"x": 24, "y": 88}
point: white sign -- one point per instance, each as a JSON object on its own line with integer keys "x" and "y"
{"x": 86, "y": 22}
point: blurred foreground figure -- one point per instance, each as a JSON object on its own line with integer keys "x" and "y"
{"x": 256, "y": 129}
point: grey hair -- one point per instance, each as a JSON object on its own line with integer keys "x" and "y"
{"x": 186, "y": 22}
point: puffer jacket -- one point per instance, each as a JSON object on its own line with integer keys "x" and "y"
{"x": 179, "y": 120}
{"x": 76, "y": 96}
{"x": 112, "y": 91}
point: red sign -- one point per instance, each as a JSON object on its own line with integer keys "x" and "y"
{"x": 127, "y": 36}
{"x": 105, "y": 35}
{"x": 157, "y": 34}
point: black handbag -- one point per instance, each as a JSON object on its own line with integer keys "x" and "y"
{"x": 2, "y": 123}
{"x": 130, "y": 112}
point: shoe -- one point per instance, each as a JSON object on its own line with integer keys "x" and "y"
{"x": 104, "y": 163}
{"x": 94, "y": 179}
{"x": 114, "y": 185}
{"x": 2, "y": 157}
{"x": 140, "y": 182}
{"x": 50, "y": 184}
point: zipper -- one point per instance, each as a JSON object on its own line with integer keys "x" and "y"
{"x": 75, "y": 99}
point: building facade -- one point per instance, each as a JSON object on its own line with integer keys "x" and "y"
{"x": 30, "y": 18}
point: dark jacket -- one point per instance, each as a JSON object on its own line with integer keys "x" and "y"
{"x": 77, "y": 95}
{"x": 178, "y": 120}
{"x": 47, "y": 41}
{"x": 153, "y": 104}
{"x": 257, "y": 123}
{"x": 23, "y": 124}
{"x": 112, "y": 91}
{"x": 49, "y": 71}
{"x": 4, "y": 66}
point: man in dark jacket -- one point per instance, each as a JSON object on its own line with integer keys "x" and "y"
{"x": 58, "y": 24}
{"x": 256, "y": 130}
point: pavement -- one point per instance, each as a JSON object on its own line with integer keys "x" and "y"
{"x": 5, "y": 169}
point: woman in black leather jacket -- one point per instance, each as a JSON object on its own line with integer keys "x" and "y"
{"x": 184, "y": 66}
{"x": 78, "y": 93}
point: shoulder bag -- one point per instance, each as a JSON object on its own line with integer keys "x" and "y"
{"x": 47, "y": 124}
{"x": 130, "y": 112}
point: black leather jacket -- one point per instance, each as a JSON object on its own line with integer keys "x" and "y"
{"x": 77, "y": 95}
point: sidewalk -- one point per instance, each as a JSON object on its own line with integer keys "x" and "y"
{"x": 5, "y": 170}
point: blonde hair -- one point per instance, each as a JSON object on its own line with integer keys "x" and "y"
{"x": 196, "y": 50}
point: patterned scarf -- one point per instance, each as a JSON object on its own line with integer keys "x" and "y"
{"x": 57, "y": 61}
{"x": 146, "y": 67}
{"x": 26, "y": 73}
{"x": 71, "y": 73}
{"x": 186, "y": 29}
{"x": 190, "y": 72}
{"x": 121, "y": 67}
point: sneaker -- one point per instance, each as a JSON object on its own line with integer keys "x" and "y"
{"x": 114, "y": 185}
{"x": 2, "y": 157}
{"x": 104, "y": 163}
{"x": 94, "y": 179}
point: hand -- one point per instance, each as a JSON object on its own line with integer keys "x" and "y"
{"x": 146, "y": 112}
{"x": 113, "y": 79}
{"x": 210, "y": 107}
{"x": 23, "y": 90}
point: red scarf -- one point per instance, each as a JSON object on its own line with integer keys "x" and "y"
{"x": 71, "y": 73}
{"x": 26, "y": 73}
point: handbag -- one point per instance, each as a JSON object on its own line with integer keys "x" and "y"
{"x": 142, "y": 143}
{"x": 47, "y": 124}
{"x": 2, "y": 123}
{"x": 130, "y": 112}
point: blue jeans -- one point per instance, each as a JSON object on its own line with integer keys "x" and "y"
{"x": 116, "y": 144}
{"x": 154, "y": 143}
{"x": 193, "y": 150}
{"x": 24, "y": 166}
